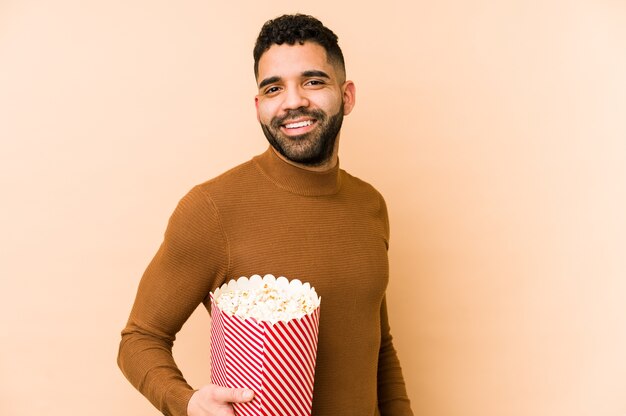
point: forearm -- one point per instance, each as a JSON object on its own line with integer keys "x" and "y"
{"x": 148, "y": 364}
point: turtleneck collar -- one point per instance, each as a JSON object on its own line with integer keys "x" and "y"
{"x": 295, "y": 179}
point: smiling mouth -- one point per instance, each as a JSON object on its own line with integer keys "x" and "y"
{"x": 298, "y": 124}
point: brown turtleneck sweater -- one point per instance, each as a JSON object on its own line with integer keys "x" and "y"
{"x": 267, "y": 216}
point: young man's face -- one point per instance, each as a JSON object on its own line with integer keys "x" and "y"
{"x": 301, "y": 102}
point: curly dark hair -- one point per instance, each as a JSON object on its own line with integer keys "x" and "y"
{"x": 292, "y": 28}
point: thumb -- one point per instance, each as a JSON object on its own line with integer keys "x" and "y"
{"x": 232, "y": 395}
{"x": 242, "y": 395}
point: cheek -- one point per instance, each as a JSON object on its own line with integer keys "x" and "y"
{"x": 331, "y": 107}
{"x": 331, "y": 103}
{"x": 264, "y": 112}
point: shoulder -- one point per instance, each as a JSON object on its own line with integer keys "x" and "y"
{"x": 368, "y": 199}
{"x": 231, "y": 177}
{"x": 201, "y": 197}
{"x": 358, "y": 186}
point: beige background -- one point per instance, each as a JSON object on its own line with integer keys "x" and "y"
{"x": 496, "y": 131}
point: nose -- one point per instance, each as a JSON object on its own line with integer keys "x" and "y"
{"x": 295, "y": 98}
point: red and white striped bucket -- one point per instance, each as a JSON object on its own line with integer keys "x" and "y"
{"x": 275, "y": 360}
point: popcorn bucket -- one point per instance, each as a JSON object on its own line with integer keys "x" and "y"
{"x": 274, "y": 358}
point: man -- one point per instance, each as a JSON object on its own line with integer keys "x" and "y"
{"x": 289, "y": 211}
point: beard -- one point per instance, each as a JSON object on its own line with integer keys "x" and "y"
{"x": 310, "y": 149}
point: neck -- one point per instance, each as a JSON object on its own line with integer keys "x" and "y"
{"x": 296, "y": 179}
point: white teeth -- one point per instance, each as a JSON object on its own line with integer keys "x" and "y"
{"x": 298, "y": 125}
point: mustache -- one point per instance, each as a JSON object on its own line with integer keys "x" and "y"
{"x": 295, "y": 113}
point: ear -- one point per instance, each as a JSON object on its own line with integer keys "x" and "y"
{"x": 349, "y": 97}
{"x": 256, "y": 106}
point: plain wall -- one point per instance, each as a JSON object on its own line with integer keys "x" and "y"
{"x": 495, "y": 130}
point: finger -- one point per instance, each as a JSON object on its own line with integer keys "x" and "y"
{"x": 229, "y": 395}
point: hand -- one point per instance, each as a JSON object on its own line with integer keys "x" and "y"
{"x": 213, "y": 400}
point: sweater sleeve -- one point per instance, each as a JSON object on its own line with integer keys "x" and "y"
{"x": 191, "y": 261}
{"x": 392, "y": 397}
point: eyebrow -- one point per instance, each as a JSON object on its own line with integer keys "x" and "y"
{"x": 315, "y": 73}
{"x": 269, "y": 80}
{"x": 309, "y": 73}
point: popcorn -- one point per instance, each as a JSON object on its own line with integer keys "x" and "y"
{"x": 264, "y": 334}
{"x": 267, "y": 298}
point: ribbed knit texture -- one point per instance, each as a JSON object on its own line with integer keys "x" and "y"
{"x": 268, "y": 216}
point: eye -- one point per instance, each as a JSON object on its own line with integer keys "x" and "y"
{"x": 271, "y": 90}
{"x": 315, "y": 82}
